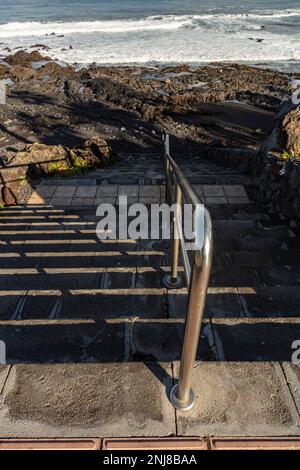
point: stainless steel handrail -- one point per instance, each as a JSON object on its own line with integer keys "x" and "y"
{"x": 197, "y": 273}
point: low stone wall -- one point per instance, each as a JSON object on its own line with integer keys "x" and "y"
{"x": 279, "y": 188}
{"x": 246, "y": 161}
{"x": 279, "y": 182}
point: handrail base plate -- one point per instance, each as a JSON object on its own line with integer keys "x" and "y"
{"x": 179, "y": 405}
{"x": 169, "y": 283}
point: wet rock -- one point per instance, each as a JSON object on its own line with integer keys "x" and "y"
{"x": 24, "y": 58}
{"x": 95, "y": 152}
{"x": 290, "y": 130}
{"x": 8, "y": 196}
{"x": 4, "y": 71}
{"x": 54, "y": 71}
{"x": 41, "y": 46}
{"x": 22, "y": 72}
{"x": 286, "y": 132}
{"x": 39, "y": 153}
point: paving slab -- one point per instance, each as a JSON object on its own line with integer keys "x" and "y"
{"x": 244, "y": 258}
{"x": 82, "y": 201}
{"x": 77, "y": 400}
{"x": 65, "y": 191}
{"x": 270, "y": 301}
{"x": 238, "y": 200}
{"x": 198, "y": 189}
{"x": 107, "y": 191}
{"x": 129, "y": 191}
{"x": 162, "y": 341}
{"x": 150, "y": 200}
{"x": 104, "y": 200}
{"x": 234, "y": 399}
{"x": 114, "y": 303}
{"x": 58, "y": 341}
{"x": 86, "y": 191}
{"x": 45, "y": 191}
{"x": 209, "y": 200}
{"x": 280, "y": 276}
{"x": 37, "y": 198}
{"x": 148, "y": 191}
{"x": 223, "y": 276}
{"x": 213, "y": 190}
{"x": 220, "y": 302}
{"x": 234, "y": 190}
{"x": 38, "y": 305}
{"x": 61, "y": 201}
{"x": 255, "y": 339}
{"x": 9, "y": 301}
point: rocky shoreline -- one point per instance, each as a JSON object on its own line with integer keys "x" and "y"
{"x": 53, "y": 103}
{"x": 44, "y": 95}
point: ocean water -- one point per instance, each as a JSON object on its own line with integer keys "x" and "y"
{"x": 156, "y": 31}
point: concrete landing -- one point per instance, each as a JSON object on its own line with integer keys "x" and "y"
{"x": 130, "y": 400}
{"x": 86, "y": 400}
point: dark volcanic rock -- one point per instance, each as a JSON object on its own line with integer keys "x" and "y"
{"x": 23, "y": 58}
{"x": 4, "y": 71}
{"x": 286, "y": 132}
{"x": 8, "y": 196}
{"x": 41, "y": 46}
{"x": 22, "y": 72}
{"x": 290, "y": 130}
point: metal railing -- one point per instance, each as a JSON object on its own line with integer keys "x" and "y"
{"x": 197, "y": 272}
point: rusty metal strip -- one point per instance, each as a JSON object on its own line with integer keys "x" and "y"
{"x": 50, "y": 444}
{"x": 252, "y": 443}
{"x": 172, "y": 443}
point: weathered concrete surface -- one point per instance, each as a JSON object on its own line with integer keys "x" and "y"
{"x": 87, "y": 400}
{"x": 240, "y": 399}
{"x": 4, "y": 371}
{"x": 292, "y": 373}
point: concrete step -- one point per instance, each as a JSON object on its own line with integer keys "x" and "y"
{"x": 56, "y": 259}
{"x": 268, "y": 302}
{"x": 78, "y": 340}
{"x": 255, "y": 339}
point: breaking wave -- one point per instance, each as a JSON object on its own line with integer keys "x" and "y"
{"x": 248, "y": 21}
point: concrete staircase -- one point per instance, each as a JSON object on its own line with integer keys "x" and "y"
{"x": 93, "y": 338}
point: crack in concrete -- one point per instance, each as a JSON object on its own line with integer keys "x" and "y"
{"x": 287, "y": 382}
{"x": 4, "y": 383}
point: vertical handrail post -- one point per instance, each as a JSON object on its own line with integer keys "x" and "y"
{"x": 197, "y": 277}
{"x": 175, "y": 237}
{"x": 182, "y": 395}
{"x": 172, "y": 280}
{"x": 166, "y": 141}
